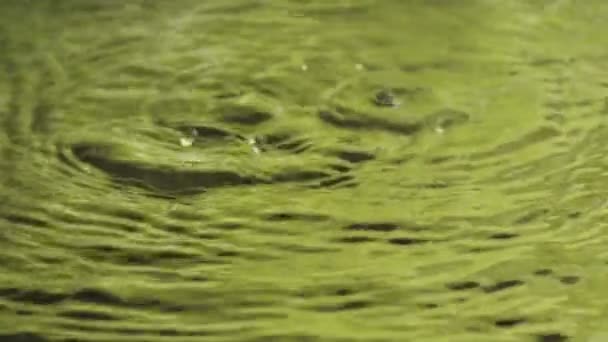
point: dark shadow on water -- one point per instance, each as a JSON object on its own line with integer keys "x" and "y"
{"x": 157, "y": 178}
{"x": 174, "y": 181}
{"x": 87, "y": 315}
{"x": 23, "y": 337}
{"x": 357, "y": 122}
{"x": 552, "y": 337}
{"x": 510, "y": 322}
{"x": 375, "y": 227}
{"x": 294, "y": 216}
{"x": 244, "y": 115}
{"x": 503, "y": 285}
{"x": 354, "y": 156}
{"x": 464, "y": 285}
{"x": 404, "y": 241}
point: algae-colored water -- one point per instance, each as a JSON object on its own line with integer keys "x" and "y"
{"x": 370, "y": 170}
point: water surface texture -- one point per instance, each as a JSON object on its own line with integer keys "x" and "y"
{"x": 242, "y": 170}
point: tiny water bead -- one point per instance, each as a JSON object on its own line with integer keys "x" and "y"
{"x": 186, "y": 141}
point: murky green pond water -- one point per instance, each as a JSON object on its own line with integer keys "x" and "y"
{"x": 371, "y": 170}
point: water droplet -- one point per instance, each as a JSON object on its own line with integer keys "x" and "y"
{"x": 186, "y": 142}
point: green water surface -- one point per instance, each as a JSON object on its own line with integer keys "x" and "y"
{"x": 284, "y": 170}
